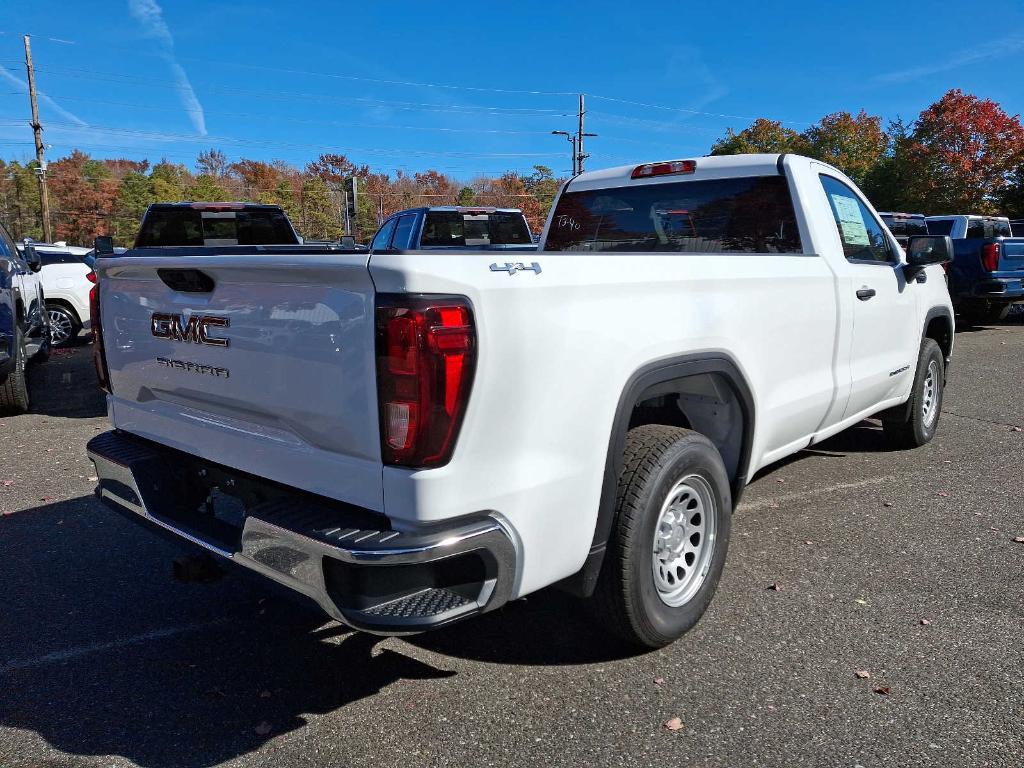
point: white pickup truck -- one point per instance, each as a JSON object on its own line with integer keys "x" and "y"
{"x": 411, "y": 438}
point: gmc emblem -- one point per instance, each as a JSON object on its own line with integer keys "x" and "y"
{"x": 195, "y": 329}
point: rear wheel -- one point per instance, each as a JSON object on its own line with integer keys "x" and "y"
{"x": 671, "y": 535}
{"x": 914, "y": 425}
{"x": 14, "y": 390}
{"x": 64, "y": 326}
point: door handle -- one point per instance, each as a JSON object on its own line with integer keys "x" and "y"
{"x": 865, "y": 293}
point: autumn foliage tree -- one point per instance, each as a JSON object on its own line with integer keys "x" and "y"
{"x": 854, "y": 144}
{"x": 762, "y": 135}
{"x": 962, "y": 155}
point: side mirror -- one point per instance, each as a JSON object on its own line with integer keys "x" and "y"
{"x": 32, "y": 258}
{"x": 925, "y": 250}
{"x": 348, "y": 242}
{"x": 104, "y": 246}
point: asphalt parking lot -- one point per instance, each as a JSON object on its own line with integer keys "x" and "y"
{"x": 902, "y": 565}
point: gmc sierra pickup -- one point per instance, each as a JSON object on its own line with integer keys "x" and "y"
{"x": 411, "y": 438}
{"x": 447, "y": 227}
{"x": 987, "y": 274}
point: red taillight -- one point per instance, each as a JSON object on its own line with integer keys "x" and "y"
{"x": 990, "y": 257}
{"x": 99, "y": 359}
{"x": 426, "y": 356}
{"x": 664, "y": 169}
{"x": 91, "y": 277}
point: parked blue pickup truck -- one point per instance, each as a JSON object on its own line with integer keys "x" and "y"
{"x": 454, "y": 227}
{"x": 987, "y": 273}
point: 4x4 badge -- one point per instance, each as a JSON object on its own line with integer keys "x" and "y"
{"x": 518, "y": 266}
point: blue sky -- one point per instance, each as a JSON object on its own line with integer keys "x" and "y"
{"x": 477, "y": 88}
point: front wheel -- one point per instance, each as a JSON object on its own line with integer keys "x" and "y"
{"x": 915, "y": 424}
{"x": 671, "y": 535}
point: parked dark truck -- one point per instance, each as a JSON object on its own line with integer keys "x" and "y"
{"x": 175, "y": 225}
{"x": 987, "y": 273}
{"x": 452, "y": 227}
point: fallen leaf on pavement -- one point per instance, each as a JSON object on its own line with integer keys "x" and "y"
{"x": 673, "y": 724}
{"x": 262, "y": 729}
{"x": 862, "y": 674}
{"x": 808, "y": 542}
{"x": 942, "y": 493}
{"x": 659, "y": 681}
{"x": 92, "y": 479}
{"x": 1019, "y": 539}
{"x": 776, "y": 587}
{"x": 881, "y": 690}
{"x": 264, "y": 694}
{"x": 887, "y": 504}
{"x": 47, "y": 498}
{"x": 779, "y": 480}
{"x": 8, "y": 483}
{"x": 926, "y": 622}
{"x": 861, "y": 601}
{"x": 1016, "y": 429}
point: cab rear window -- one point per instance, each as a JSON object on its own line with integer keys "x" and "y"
{"x": 743, "y": 215}
{"x": 180, "y": 226}
{"x": 468, "y": 229}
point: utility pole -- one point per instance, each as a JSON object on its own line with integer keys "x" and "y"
{"x": 37, "y": 131}
{"x": 580, "y": 154}
{"x": 576, "y": 139}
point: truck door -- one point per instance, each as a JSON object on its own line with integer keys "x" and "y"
{"x": 885, "y": 337}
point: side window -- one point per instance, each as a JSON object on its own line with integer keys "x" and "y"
{"x": 863, "y": 237}
{"x": 49, "y": 258}
{"x": 383, "y": 237}
{"x": 975, "y": 228}
{"x": 7, "y": 248}
{"x": 403, "y": 232}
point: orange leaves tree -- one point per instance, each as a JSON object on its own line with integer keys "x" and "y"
{"x": 962, "y": 155}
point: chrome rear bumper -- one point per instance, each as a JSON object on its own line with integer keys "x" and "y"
{"x": 348, "y": 560}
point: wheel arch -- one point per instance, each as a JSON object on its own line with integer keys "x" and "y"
{"x": 938, "y": 325}
{"x": 676, "y": 376}
{"x": 65, "y": 304}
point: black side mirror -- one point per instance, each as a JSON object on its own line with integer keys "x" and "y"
{"x": 104, "y": 246}
{"x": 925, "y": 250}
{"x": 348, "y": 242}
{"x": 32, "y": 258}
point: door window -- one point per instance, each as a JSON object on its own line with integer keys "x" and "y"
{"x": 383, "y": 237}
{"x": 403, "y": 232}
{"x": 862, "y": 235}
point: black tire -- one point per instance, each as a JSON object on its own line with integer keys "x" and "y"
{"x": 64, "y": 325}
{"x": 628, "y": 601}
{"x": 14, "y": 390}
{"x": 915, "y": 424}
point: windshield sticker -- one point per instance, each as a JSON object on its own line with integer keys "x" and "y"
{"x": 567, "y": 221}
{"x": 851, "y": 220}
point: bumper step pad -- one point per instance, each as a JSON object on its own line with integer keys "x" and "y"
{"x": 345, "y": 558}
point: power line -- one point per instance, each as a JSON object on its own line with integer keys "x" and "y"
{"x": 332, "y": 75}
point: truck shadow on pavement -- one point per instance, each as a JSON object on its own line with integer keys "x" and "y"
{"x": 103, "y": 653}
{"x": 66, "y": 385}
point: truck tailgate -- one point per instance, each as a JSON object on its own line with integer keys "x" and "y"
{"x": 271, "y": 372}
{"x": 1011, "y": 254}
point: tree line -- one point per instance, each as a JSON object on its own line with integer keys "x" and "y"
{"x": 961, "y": 154}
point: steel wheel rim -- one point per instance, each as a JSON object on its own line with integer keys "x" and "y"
{"x": 684, "y": 540}
{"x": 930, "y": 394}
{"x": 60, "y": 326}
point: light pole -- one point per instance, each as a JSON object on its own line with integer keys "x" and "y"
{"x": 572, "y": 140}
